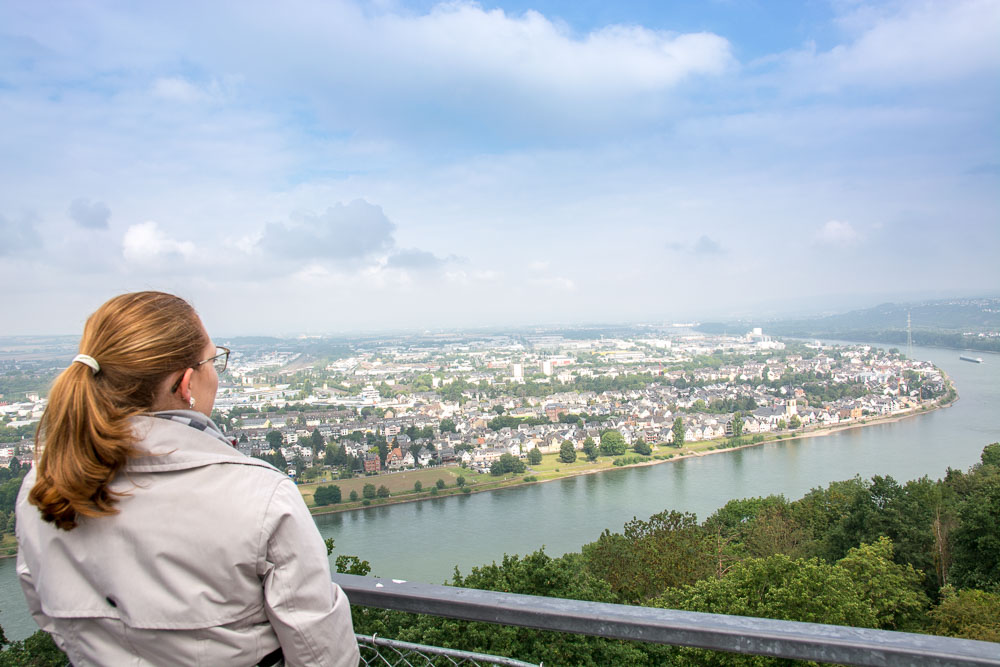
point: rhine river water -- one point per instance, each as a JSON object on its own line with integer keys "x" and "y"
{"x": 426, "y": 540}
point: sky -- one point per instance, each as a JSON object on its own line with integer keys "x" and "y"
{"x": 340, "y": 166}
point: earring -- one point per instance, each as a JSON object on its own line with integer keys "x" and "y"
{"x": 191, "y": 402}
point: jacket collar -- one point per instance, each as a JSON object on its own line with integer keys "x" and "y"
{"x": 195, "y": 420}
{"x": 166, "y": 442}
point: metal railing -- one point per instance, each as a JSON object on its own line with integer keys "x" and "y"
{"x": 738, "y": 634}
{"x": 392, "y": 653}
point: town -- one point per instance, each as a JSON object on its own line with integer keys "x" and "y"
{"x": 491, "y": 403}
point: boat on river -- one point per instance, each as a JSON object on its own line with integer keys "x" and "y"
{"x": 975, "y": 360}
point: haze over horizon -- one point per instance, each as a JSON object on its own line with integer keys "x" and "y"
{"x": 396, "y": 165}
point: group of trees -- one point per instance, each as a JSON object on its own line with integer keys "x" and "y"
{"x": 439, "y": 485}
{"x": 11, "y": 477}
{"x": 327, "y": 495}
{"x": 507, "y": 464}
{"x": 506, "y": 421}
{"x": 370, "y": 492}
{"x": 922, "y": 556}
{"x": 721, "y": 406}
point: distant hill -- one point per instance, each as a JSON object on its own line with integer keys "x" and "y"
{"x": 956, "y": 323}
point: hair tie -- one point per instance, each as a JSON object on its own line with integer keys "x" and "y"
{"x": 88, "y": 360}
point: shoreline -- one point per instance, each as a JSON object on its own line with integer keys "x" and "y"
{"x": 711, "y": 449}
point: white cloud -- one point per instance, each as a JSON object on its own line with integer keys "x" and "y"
{"x": 486, "y": 134}
{"x": 400, "y": 75}
{"x": 414, "y": 260}
{"x": 465, "y": 277}
{"x": 836, "y": 232}
{"x": 342, "y": 232}
{"x": 558, "y": 283}
{"x": 464, "y": 41}
{"x": 145, "y": 245}
{"x": 179, "y": 89}
{"x": 908, "y": 43}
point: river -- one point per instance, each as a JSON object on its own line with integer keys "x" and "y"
{"x": 426, "y": 540}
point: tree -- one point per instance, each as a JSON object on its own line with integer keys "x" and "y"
{"x": 777, "y": 587}
{"x": 775, "y": 531}
{"x": 567, "y": 454}
{"x": 678, "y": 430}
{"x": 353, "y": 496}
{"x": 499, "y": 409}
{"x": 972, "y": 614}
{"x": 439, "y": 484}
{"x": 414, "y": 451}
{"x": 810, "y": 591}
{"x": 991, "y": 455}
{"x": 894, "y": 591}
{"x": 277, "y": 460}
{"x": 590, "y": 448}
{"x": 737, "y": 424}
{"x": 460, "y": 481}
{"x": 275, "y": 439}
{"x": 613, "y": 443}
{"x": 38, "y": 650}
{"x": 642, "y": 447}
{"x": 418, "y": 486}
{"x": 976, "y": 540}
{"x": 368, "y": 491}
{"x": 299, "y": 464}
{"x": 533, "y": 574}
{"x": 794, "y": 422}
{"x": 316, "y": 441}
{"x": 670, "y": 549}
{"x": 352, "y": 565}
{"x": 335, "y": 455}
{"x": 448, "y": 426}
{"x": 383, "y": 491}
{"x": 535, "y": 456}
{"x": 782, "y": 425}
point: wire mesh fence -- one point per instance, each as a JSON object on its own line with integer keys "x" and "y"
{"x": 381, "y": 652}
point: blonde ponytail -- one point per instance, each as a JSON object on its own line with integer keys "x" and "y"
{"x": 85, "y": 436}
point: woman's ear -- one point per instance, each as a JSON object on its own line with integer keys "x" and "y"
{"x": 184, "y": 388}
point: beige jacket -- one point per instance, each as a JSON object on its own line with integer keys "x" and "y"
{"x": 212, "y": 560}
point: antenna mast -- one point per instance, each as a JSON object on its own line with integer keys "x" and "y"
{"x": 909, "y": 337}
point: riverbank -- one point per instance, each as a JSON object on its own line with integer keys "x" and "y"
{"x": 401, "y": 491}
{"x": 552, "y": 469}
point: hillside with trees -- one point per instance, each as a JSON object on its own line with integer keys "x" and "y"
{"x": 920, "y": 556}
{"x": 956, "y": 323}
